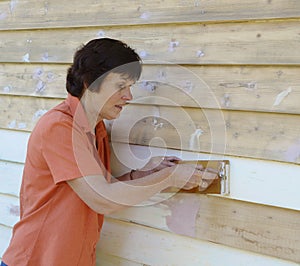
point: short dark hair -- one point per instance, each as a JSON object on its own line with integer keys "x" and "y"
{"x": 96, "y": 59}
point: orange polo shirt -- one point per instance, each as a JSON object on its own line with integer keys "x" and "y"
{"x": 56, "y": 227}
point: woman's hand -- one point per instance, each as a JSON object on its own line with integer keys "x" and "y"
{"x": 183, "y": 176}
{"x": 188, "y": 176}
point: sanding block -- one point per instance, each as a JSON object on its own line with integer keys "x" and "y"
{"x": 219, "y": 185}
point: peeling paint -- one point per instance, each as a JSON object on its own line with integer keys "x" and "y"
{"x": 22, "y": 125}
{"x": 25, "y": 58}
{"x": 46, "y": 8}
{"x": 280, "y": 97}
{"x": 197, "y": 3}
{"x": 14, "y": 210}
{"x": 39, "y": 113}
{"x": 162, "y": 75}
{"x": 172, "y": 45}
{"x": 187, "y": 86}
{"x": 7, "y": 88}
{"x": 148, "y": 86}
{"x": 12, "y": 124}
{"x": 50, "y": 76}
{"x": 200, "y": 53}
{"x": 226, "y": 100}
{"x": 143, "y": 54}
{"x": 3, "y": 15}
{"x": 40, "y": 86}
{"x": 101, "y": 34}
{"x": 45, "y": 57}
{"x": 194, "y": 143}
{"x": 252, "y": 85}
{"x": 12, "y": 5}
{"x": 145, "y": 15}
{"x": 38, "y": 72}
{"x": 156, "y": 124}
{"x": 293, "y": 152}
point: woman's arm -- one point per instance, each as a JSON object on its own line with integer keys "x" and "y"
{"x": 105, "y": 198}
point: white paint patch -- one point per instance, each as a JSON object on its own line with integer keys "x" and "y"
{"x": 46, "y": 8}
{"x": 100, "y": 34}
{"x": 38, "y": 72}
{"x": 145, "y": 15}
{"x": 143, "y": 54}
{"x": 39, "y": 113}
{"x": 148, "y": 86}
{"x": 194, "y": 139}
{"x": 22, "y": 125}
{"x": 12, "y": 124}
{"x": 156, "y": 124}
{"x": 252, "y": 85}
{"x": 172, "y": 45}
{"x": 25, "y": 58}
{"x": 50, "y": 76}
{"x": 7, "y": 88}
{"x": 280, "y": 97}
{"x": 15, "y": 124}
{"x": 45, "y": 57}
{"x": 293, "y": 152}
{"x": 40, "y": 86}
{"x": 3, "y": 15}
{"x": 188, "y": 86}
{"x": 226, "y": 100}
{"x": 200, "y": 53}
{"x": 12, "y": 5}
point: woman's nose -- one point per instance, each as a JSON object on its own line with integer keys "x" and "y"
{"x": 127, "y": 95}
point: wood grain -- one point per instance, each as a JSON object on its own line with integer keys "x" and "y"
{"x": 226, "y": 87}
{"x": 256, "y": 43}
{"x": 268, "y": 230}
{"x": 35, "y": 14}
{"x": 246, "y": 134}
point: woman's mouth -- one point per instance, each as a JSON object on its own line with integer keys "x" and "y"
{"x": 120, "y": 107}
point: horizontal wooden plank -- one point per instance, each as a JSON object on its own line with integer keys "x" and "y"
{"x": 13, "y": 146}
{"x": 259, "y": 181}
{"x": 140, "y": 243}
{"x": 22, "y": 113}
{"x": 126, "y": 239}
{"x": 246, "y": 134}
{"x": 5, "y": 233}
{"x": 40, "y": 14}
{"x": 270, "y": 89}
{"x": 111, "y": 260}
{"x": 42, "y": 80}
{"x": 9, "y": 210}
{"x": 268, "y": 230}
{"x": 274, "y": 42}
{"x": 247, "y": 175}
{"x": 10, "y": 174}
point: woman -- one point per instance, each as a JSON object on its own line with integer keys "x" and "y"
{"x": 67, "y": 186}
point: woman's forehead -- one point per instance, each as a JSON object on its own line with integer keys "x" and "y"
{"x": 120, "y": 77}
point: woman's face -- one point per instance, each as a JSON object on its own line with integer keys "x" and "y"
{"x": 114, "y": 93}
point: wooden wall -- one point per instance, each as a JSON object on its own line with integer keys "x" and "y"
{"x": 221, "y": 80}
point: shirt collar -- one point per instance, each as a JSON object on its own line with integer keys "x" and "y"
{"x": 78, "y": 113}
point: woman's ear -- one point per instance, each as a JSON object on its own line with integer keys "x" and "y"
{"x": 85, "y": 86}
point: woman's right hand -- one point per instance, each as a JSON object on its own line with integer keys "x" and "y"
{"x": 188, "y": 176}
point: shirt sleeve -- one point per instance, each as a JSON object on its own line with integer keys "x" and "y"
{"x": 68, "y": 152}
